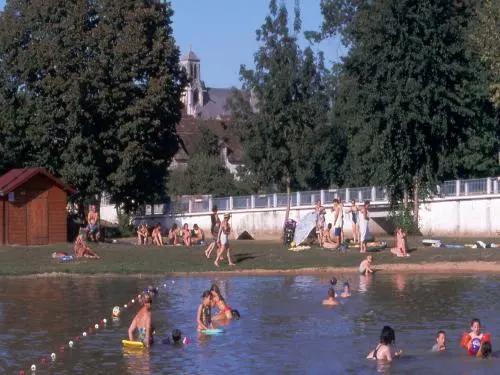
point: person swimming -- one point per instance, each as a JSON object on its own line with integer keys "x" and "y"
{"x": 440, "y": 344}
{"x": 473, "y": 340}
{"x": 347, "y": 290}
{"x": 204, "y": 314}
{"x": 225, "y": 311}
{"x": 330, "y": 301}
{"x": 383, "y": 351}
{"x": 141, "y": 324}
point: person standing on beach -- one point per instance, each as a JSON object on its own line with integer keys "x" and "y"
{"x": 223, "y": 236}
{"x": 320, "y": 222}
{"x": 214, "y": 229}
{"x": 355, "y": 221}
{"x": 338, "y": 220}
{"x": 364, "y": 219}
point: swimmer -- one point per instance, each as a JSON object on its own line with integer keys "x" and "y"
{"x": 347, "y": 290}
{"x": 142, "y": 323}
{"x": 365, "y": 266}
{"x": 440, "y": 345}
{"x": 485, "y": 350}
{"x": 176, "y": 338}
{"x": 225, "y": 311}
{"x": 383, "y": 351}
{"x": 473, "y": 340}
{"x": 330, "y": 301}
{"x": 204, "y": 314}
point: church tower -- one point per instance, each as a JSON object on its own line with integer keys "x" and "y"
{"x": 193, "y": 93}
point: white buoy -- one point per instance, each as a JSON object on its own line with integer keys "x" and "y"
{"x": 96, "y": 326}
{"x": 104, "y": 320}
{"x": 84, "y": 334}
{"x": 70, "y": 344}
{"x": 125, "y": 306}
{"x": 53, "y": 356}
{"x": 164, "y": 285}
{"x": 33, "y": 367}
{"x": 133, "y": 301}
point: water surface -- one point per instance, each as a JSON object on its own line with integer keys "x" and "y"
{"x": 283, "y": 330}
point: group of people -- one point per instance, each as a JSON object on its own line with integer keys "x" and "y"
{"x": 332, "y": 294}
{"x": 142, "y": 329}
{"x": 476, "y": 343}
{"x": 331, "y": 236}
{"x": 175, "y": 236}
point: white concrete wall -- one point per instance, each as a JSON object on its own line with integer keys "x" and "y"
{"x": 478, "y": 216}
{"x": 457, "y": 216}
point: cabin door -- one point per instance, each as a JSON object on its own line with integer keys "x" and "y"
{"x": 37, "y": 218}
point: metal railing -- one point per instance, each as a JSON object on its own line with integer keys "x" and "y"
{"x": 376, "y": 195}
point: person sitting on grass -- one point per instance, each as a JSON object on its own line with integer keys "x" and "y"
{"x": 156, "y": 235}
{"x": 142, "y": 235}
{"x": 365, "y": 266}
{"x": 82, "y": 250}
{"x": 173, "y": 235}
{"x": 198, "y": 236}
{"x": 186, "y": 235}
{"x": 328, "y": 241}
{"x": 400, "y": 248}
{"x": 330, "y": 301}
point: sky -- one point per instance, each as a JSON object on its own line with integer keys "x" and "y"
{"x": 222, "y": 34}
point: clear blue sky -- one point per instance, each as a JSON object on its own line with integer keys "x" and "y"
{"x": 222, "y": 34}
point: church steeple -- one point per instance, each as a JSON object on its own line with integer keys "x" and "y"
{"x": 193, "y": 97}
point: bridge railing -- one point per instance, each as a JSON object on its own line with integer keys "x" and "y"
{"x": 376, "y": 195}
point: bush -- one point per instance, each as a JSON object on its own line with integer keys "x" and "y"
{"x": 125, "y": 228}
{"x": 403, "y": 218}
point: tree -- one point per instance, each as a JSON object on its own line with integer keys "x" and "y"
{"x": 409, "y": 93}
{"x": 485, "y": 34}
{"x": 92, "y": 92}
{"x": 204, "y": 172}
{"x": 284, "y": 131}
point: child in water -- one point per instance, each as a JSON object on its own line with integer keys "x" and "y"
{"x": 383, "y": 351}
{"x": 440, "y": 345}
{"x": 365, "y": 266}
{"x": 347, "y": 290}
{"x": 330, "y": 301}
{"x": 142, "y": 324}
{"x": 204, "y": 315}
{"x": 475, "y": 339}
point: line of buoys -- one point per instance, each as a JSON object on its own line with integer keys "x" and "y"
{"x": 116, "y": 311}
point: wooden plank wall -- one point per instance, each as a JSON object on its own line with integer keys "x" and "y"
{"x": 57, "y": 214}
{"x": 2, "y": 227}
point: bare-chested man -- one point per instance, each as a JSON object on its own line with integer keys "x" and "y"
{"x": 142, "y": 323}
{"x": 92, "y": 219}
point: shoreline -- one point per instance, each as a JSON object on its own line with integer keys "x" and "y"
{"x": 441, "y": 267}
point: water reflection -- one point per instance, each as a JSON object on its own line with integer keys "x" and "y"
{"x": 364, "y": 283}
{"x": 137, "y": 361}
{"x": 399, "y": 282}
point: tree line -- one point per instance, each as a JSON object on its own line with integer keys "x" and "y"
{"x": 91, "y": 91}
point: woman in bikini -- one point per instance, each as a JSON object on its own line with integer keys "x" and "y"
{"x": 383, "y": 351}
{"x": 225, "y": 311}
{"x": 186, "y": 235}
{"x": 214, "y": 229}
{"x": 173, "y": 237}
{"x": 156, "y": 235}
{"x": 81, "y": 249}
{"x": 364, "y": 220}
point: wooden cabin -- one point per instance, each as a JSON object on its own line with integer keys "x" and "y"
{"x": 33, "y": 207}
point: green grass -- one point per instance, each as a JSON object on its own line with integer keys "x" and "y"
{"x": 126, "y": 258}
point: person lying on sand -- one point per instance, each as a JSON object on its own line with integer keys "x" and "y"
{"x": 82, "y": 250}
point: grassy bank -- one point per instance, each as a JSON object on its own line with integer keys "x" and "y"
{"x": 126, "y": 258}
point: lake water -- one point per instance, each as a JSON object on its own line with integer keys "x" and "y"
{"x": 283, "y": 329}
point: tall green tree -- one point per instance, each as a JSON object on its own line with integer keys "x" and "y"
{"x": 409, "y": 93}
{"x": 283, "y": 125}
{"x": 92, "y": 92}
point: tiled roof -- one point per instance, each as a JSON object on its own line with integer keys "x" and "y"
{"x": 16, "y": 177}
{"x": 187, "y": 130}
{"x": 214, "y": 103}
